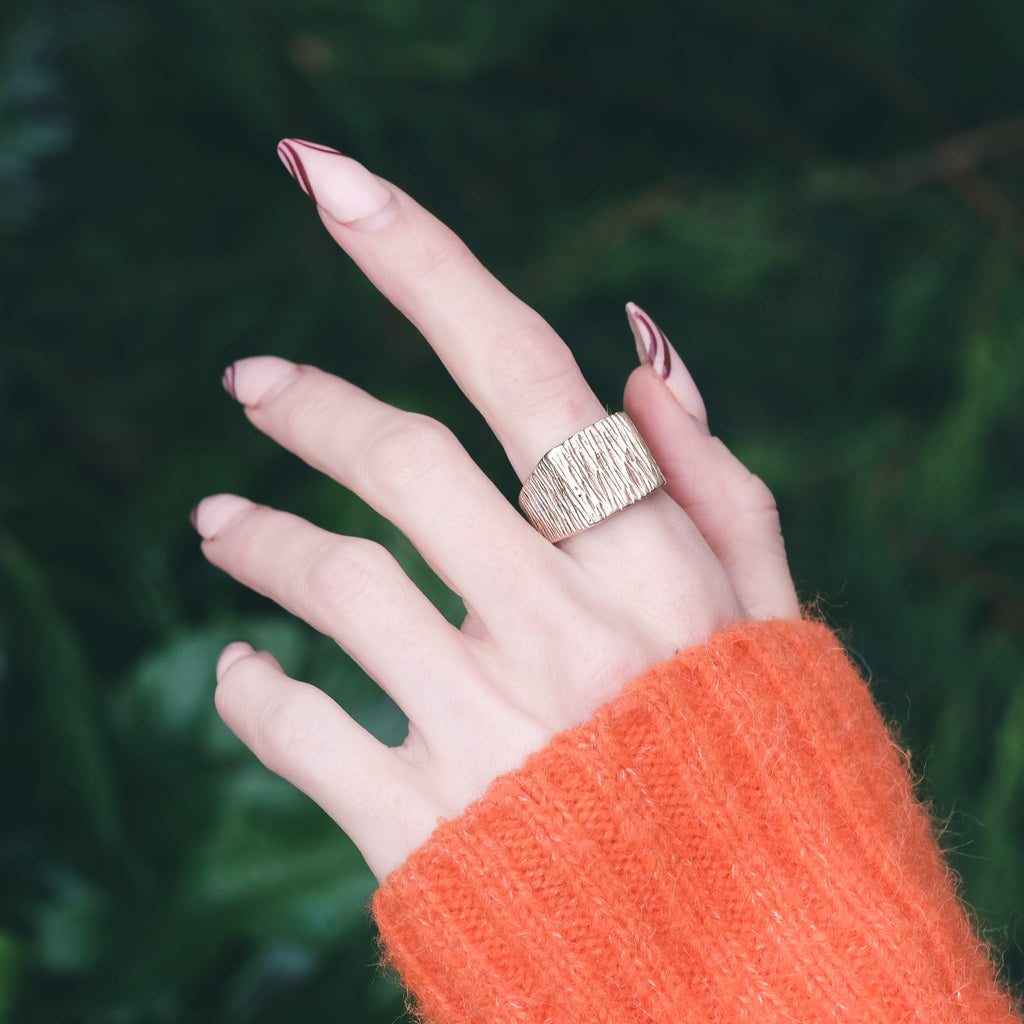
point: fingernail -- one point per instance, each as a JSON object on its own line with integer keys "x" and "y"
{"x": 654, "y": 348}
{"x": 232, "y": 653}
{"x": 342, "y": 187}
{"x": 228, "y": 381}
{"x": 214, "y": 514}
{"x": 258, "y": 379}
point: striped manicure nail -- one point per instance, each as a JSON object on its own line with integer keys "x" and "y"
{"x": 344, "y": 189}
{"x": 654, "y": 348}
{"x": 288, "y": 151}
{"x": 651, "y": 344}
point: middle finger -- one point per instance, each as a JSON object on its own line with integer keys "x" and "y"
{"x": 503, "y": 355}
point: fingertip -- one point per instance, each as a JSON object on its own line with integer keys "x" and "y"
{"x": 257, "y": 380}
{"x": 346, "y": 191}
{"x": 232, "y": 654}
{"x": 213, "y": 515}
{"x": 657, "y": 352}
{"x": 237, "y": 651}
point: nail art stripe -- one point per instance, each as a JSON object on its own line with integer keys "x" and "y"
{"x": 291, "y": 159}
{"x": 658, "y": 352}
{"x": 293, "y": 162}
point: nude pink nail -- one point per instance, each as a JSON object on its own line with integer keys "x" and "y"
{"x": 342, "y": 187}
{"x": 214, "y": 514}
{"x": 256, "y": 380}
{"x": 654, "y": 348}
{"x": 232, "y": 653}
{"x": 290, "y": 152}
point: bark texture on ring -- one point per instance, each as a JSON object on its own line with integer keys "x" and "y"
{"x": 597, "y": 472}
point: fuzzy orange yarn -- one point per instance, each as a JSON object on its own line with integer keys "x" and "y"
{"x": 734, "y": 838}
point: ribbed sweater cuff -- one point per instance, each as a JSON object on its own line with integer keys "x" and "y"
{"x": 733, "y": 838}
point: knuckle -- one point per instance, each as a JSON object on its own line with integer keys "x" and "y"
{"x": 289, "y": 733}
{"x": 743, "y": 489}
{"x": 303, "y": 409}
{"x": 405, "y": 449}
{"x": 439, "y": 257}
{"x": 262, "y": 528}
{"x": 757, "y": 496}
{"x": 300, "y": 408}
{"x": 532, "y": 367}
{"x": 344, "y": 574}
{"x": 289, "y": 725}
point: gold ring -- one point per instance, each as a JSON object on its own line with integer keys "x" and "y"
{"x": 597, "y": 472}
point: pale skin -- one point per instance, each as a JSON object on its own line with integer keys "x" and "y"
{"x": 551, "y": 631}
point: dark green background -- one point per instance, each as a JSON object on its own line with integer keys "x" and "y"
{"x": 820, "y": 202}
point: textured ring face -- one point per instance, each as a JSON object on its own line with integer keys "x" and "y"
{"x": 597, "y": 472}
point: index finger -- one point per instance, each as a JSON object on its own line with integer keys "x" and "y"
{"x": 507, "y": 360}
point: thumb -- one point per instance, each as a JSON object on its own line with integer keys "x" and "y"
{"x": 732, "y": 508}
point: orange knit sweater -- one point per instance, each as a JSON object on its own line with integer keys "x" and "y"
{"x": 734, "y": 838}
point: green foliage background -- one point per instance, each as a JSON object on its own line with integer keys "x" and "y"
{"x": 821, "y": 202}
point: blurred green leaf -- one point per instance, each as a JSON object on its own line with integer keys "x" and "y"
{"x": 11, "y": 969}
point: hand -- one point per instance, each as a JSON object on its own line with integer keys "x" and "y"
{"x": 551, "y": 632}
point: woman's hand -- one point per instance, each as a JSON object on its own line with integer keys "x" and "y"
{"x": 551, "y": 632}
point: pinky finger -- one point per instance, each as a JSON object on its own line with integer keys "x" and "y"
{"x": 301, "y": 734}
